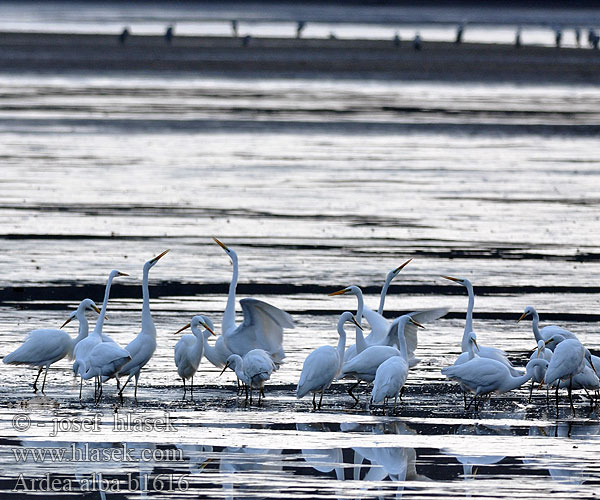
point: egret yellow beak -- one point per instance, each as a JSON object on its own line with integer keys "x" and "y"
{"x": 181, "y": 329}
{"x": 161, "y": 255}
{"x": 456, "y": 280}
{"x": 122, "y": 274}
{"x": 222, "y": 245}
{"x": 399, "y": 268}
{"x": 356, "y": 323}
{"x": 416, "y": 323}
{"x": 224, "y": 368}
{"x": 340, "y": 292}
{"x": 523, "y": 316}
{"x": 208, "y": 328}
{"x": 548, "y": 341}
{"x": 476, "y": 345}
{"x": 96, "y": 309}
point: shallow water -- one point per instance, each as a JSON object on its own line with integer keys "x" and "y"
{"x": 317, "y": 185}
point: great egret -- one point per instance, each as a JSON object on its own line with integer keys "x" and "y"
{"x": 486, "y": 376}
{"x": 105, "y": 359}
{"x": 263, "y": 323}
{"x": 254, "y": 369}
{"x": 363, "y": 366}
{"x": 45, "y": 346}
{"x": 539, "y": 371}
{"x": 323, "y": 364}
{"x": 389, "y": 381}
{"x": 484, "y": 352}
{"x": 142, "y": 347}
{"x": 547, "y": 332}
{"x": 189, "y": 349}
{"x": 361, "y": 343}
{"x": 84, "y": 347}
{"x": 380, "y": 325}
{"x": 569, "y": 359}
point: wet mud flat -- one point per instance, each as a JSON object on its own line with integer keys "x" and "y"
{"x": 250, "y": 57}
{"x": 219, "y": 446}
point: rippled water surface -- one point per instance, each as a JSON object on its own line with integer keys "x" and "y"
{"x": 317, "y": 185}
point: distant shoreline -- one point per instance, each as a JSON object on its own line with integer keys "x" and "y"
{"x": 299, "y": 58}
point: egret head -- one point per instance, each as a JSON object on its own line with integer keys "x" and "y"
{"x": 394, "y": 272}
{"x": 232, "y": 362}
{"x": 153, "y": 261}
{"x": 84, "y": 305}
{"x": 352, "y": 290}
{"x": 540, "y": 348}
{"x": 198, "y": 320}
{"x": 473, "y": 339}
{"x": 529, "y": 310}
{"x": 460, "y": 281}
{"x": 228, "y": 251}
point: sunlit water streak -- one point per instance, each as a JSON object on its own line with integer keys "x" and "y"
{"x": 302, "y": 179}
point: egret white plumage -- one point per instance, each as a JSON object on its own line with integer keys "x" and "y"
{"x": 142, "y": 347}
{"x": 323, "y": 364}
{"x": 363, "y": 367}
{"x": 389, "y": 381}
{"x": 485, "y": 376}
{"x": 539, "y": 371}
{"x": 254, "y": 369}
{"x": 84, "y": 347}
{"x": 547, "y": 332}
{"x": 361, "y": 343}
{"x": 263, "y": 323}
{"x": 378, "y": 323}
{"x": 105, "y": 359}
{"x": 189, "y": 349}
{"x": 568, "y": 359}
{"x": 483, "y": 351}
{"x": 46, "y": 346}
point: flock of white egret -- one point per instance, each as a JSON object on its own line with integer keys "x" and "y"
{"x": 254, "y": 349}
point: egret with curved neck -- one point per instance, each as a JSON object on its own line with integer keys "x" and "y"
{"x": 142, "y": 347}
{"x": 323, "y": 364}
{"x": 548, "y": 331}
{"x": 44, "y": 347}
{"x": 189, "y": 350}
{"x": 361, "y": 343}
{"x": 263, "y": 324}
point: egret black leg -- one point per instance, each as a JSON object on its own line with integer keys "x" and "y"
{"x": 321, "y": 400}
{"x": 352, "y": 387}
{"x": 314, "y": 402}
{"x": 36, "y": 379}
{"x": 571, "y": 395}
{"x": 184, "y": 388}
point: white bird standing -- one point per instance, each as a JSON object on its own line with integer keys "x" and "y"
{"x": 263, "y": 323}
{"x": 105, "y": 359}
{"x": 142, "y": 347}
{"x": 322, "y": 366}
{"x": 363, "y": 366}
{"x": 547, "y": 332}
{"x": 254, "y": 369}
{"x": 189, "y": 349}
{"x": 539, "y": 371}
{"x": 361, "y": 343}
{"x": 484, "y": 351}
{"x": 378, "y": 323}
{"x": 486, "y": 376}
{"x": 84, "y": 347}
{"x": 390, "y": 378}
{"x": 568, "y": 359}
{"x": 46, "y": 346}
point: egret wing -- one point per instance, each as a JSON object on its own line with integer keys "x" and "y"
{"x": 379, "y": 326}
{"x": 262, "y": 328}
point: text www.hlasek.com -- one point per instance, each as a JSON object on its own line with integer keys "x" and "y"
{"x": 85, "y": 453}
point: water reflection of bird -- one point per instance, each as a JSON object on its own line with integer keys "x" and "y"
{"x": 189, "y": 349}
{"x": 44, "y": 347}
{"x": 263, "y": 323}
{"x": 322, "y": 366}
{"x": 548, "y": 331}
{"x": 254, "y": 369}
{"x": 142, "y": 347}
{"x": 324, "y": 460}
{"x": 483, "y": 351}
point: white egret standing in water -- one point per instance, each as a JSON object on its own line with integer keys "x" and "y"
{"x": 547, "y": 332}
{"x": 323, "y": 364}
{"x": 254, "y": 369}
{"x": 189, "y": 350}
{"x": 484, "y": 351}
{"x": 363, "y": 366}
{"x": 539, "y": 371}
{"x": 142, "y": 347}
{"x": 486, "y": 376}
{"x": 46, "y": 346}
{"x": 84, "y": 348}
{"x": 263, "y": 323}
